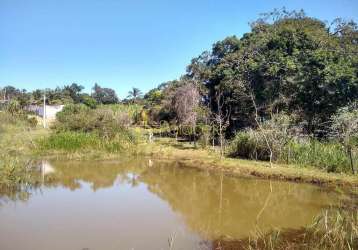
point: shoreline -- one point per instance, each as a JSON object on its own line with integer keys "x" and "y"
{"x": 208, "y": 159}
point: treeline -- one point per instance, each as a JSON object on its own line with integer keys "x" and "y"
{"x": 68, "y": 94}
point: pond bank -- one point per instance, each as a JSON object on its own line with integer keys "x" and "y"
{"x": 189, "y": 156}
{"x": 208, "y": 159}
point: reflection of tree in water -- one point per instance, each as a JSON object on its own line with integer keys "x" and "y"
{"x": 70, "y": 174}
{"x": 233, "y": 209}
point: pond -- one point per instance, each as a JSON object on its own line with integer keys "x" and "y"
{"x": 149, "y": 204}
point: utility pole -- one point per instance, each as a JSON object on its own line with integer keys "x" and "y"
{"x": 44, "y": 111}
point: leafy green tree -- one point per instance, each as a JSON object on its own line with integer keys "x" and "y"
{"x": 154, "y": 96}
{"x": 74, "y": 91}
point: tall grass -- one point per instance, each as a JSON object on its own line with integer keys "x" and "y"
{"x": 17, "y": 133}
{"x": 18, "y": 177}
{"x": 331, "y": 230}
{"x": 70, "y": 141}
{"x": 329, "y": 156}
{"x": 16, "y": 142}
{"x": 81, "y": 142}
{"x": 133, "y": 110}
{"x": 326, "y": 155}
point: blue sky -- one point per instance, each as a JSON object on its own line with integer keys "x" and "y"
{"x": 120, "y": 44}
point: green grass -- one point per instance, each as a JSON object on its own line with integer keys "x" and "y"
{"x": 70, "y": 141}
{"x": 83, "y": 143}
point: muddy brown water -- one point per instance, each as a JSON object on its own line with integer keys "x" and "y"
{"x": 149, "y": 204}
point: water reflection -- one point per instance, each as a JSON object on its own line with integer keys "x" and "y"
{"x": 149, "y": 200}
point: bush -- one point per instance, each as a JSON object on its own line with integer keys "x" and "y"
{"x": 104, "y": 121}
{"x": 247, "y": 145}
{"x": 80, "y": 127}
{"x": 89, "y": 102}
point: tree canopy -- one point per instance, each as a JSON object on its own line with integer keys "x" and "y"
{"x": 289, "y": 63}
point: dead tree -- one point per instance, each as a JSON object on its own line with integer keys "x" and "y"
{"x": 259, "y": 125}
{"x": 221, "y": 120}
{"x": 185, "y": 104}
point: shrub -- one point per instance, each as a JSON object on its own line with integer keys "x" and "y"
{"x": 104, "y": 121}
{"x": 89, "y": 101}
{"x": 204, "y": 132}
{"x": 249, "y": 145}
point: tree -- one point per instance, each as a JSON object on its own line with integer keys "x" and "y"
{"x": 74, "y": 91}
{"x": 154, "y": 96}
{"x": 104, "y": 95}
{"x": 10, "y": 92}
{"x": 134, "y": 94}
{"x": 185, "y": 103}
{"x": 221, "y": 119}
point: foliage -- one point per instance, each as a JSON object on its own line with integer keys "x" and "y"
{"x": 89, "y": 101}
{"x": 154, "y": 96}
{"x": 71, "y": 141}
{"x": 135, "y": 94}
{"x": 13, "y": 107}
{"x": 185, "y": 103}
{"x": 103, "y": 121}
{"x": 104, "y": 95}
{"x": 292, "y": 63}
{"x": 345, "y": 125}
{"x": 13, "y": 172}
{"x": 273, "y": 135}
{"x": 328, "y": 156}
{"x": 345, "y": 129}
